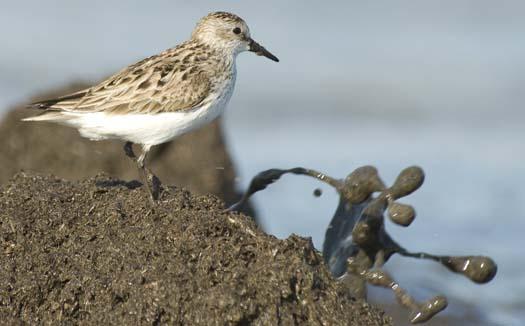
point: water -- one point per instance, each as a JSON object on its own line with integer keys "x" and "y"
{"x": 439, "y": 84}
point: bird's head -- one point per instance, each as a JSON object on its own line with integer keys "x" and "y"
{"x": 228, "y": 32}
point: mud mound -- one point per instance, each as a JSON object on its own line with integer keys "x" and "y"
{"x": 198, "y": 161}
{"x": 92, "y": 252}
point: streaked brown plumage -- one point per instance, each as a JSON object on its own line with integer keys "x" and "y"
{"x": 176, "y": 79}
{"x": 163, "y": 96}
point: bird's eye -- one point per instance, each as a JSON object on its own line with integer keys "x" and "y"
{"x": 237, "y": 30}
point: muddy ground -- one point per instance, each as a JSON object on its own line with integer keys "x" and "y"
{"x": 92, "y": 252}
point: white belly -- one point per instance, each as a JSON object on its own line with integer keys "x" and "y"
{"x": 154, "y": 129}
{"x": 144, "y": 129}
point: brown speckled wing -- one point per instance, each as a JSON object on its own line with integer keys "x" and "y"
{"x": 169, "y": 82}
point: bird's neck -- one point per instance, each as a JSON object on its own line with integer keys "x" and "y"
{"x": 227, "y": 53}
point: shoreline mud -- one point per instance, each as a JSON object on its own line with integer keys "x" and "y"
{"x": 93, "y": 252}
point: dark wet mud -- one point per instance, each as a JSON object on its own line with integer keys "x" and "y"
{"x": 92, "y": 252}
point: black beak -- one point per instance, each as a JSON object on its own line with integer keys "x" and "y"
{"x": 260, "y": 50}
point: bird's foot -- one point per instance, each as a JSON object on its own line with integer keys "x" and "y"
{"x": 155, "y": 186}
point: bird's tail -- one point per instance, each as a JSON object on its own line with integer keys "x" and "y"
{"x": 52, "y": 116}
{"x": 56, "y": 110}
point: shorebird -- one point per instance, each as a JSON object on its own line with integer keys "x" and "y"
{"x": 163, "y": 96}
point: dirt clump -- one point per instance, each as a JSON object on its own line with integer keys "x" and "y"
{"x": 92, "y": 252}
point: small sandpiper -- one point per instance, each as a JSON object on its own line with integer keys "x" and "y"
{"x": 163, "y": 96}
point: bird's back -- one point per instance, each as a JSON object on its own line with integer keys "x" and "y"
{"x": 177, "y": 79}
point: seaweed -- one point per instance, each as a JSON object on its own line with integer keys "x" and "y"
{"x": 357, "y": 245}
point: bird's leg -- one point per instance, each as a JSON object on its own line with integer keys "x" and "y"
{"x": 144, "y": 173}
{"x": 148, "y": 175}
{"x": 128, "y": 149}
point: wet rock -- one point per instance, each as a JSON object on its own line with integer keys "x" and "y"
{"x": 92, "y": 252}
